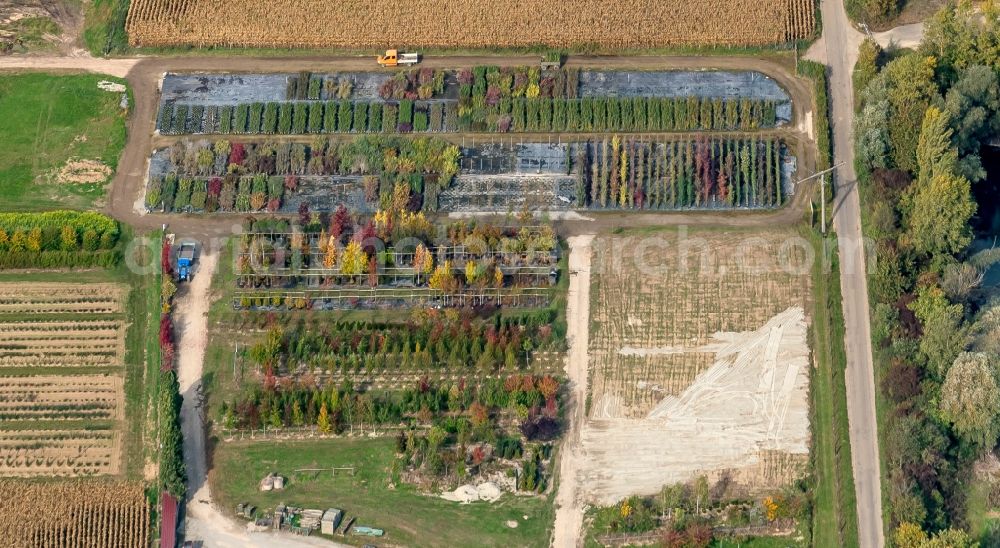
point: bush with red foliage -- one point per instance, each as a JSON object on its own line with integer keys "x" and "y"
{"x": 237, "y": 154}
{"x": 166, "y": 265}
{"x": 166, "y": 343}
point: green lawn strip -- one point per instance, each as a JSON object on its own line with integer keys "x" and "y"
{"x": 835, "y": 511}
{"x": 141, "y": 361}
{"x": 47, "y": 120}
{"x": 104, "y": 27}
{"x": 408, "y": 518}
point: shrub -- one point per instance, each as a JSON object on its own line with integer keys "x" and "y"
{"x": 226, "y": 119}
{"x": 253, "y": 120}
{"x": 195, "y": 119}
{"x": 389, "y": 118}
{"x": 316, "y": 118}
{"x": 374, "y": 117}
{"x": 179, "y": 124}
{"x": 405, "y": 115}
{"x": 300, "y": 117}
{"x": 285, "y": 118}
{"x": 436, "y": 119}
{"x": 153, "y": 193}
{"x": 165, "y": 118}
{"x": 240, "y": 118}
{"x": 344, "y": 116}
{"x": 360, "y": 117}
{"x": 270, "y": 122}
{"x": 330, "y": 117}
{"x": 420, "y": 121}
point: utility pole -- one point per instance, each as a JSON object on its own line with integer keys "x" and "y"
{"x": 822, "y": 201}
{"x": 822, "y": 185}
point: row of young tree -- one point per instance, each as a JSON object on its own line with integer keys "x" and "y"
{"x": 58, "y": 239}
{"x": 302, "y": 117}
{"x": 171, "y": 469}
{"x": 281, "y": 402}
{"x": 505, "y": 115}
{"x": 422, "y": 83}
{"x": 687, "y": 513}
{"x": 522, "y": 99}
{"x": 430, "y": 339}
{"x": 396, "y": 247}
{"x": 700, "y": 173}
{"x": 924, "y": 117}
{"x": 247, "y": 176}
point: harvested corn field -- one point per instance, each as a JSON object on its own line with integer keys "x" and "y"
{"x": 471, "y": 23}
{"x": 47, "y": 453}
{"x": 698, "y": 362}
{"x": 72, "y": 514}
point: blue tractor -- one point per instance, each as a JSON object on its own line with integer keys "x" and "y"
{"x": 185, "y": 262}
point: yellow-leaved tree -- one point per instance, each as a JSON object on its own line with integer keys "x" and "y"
{"x": 353, "y": 260}
{"x": 442, "y": 279}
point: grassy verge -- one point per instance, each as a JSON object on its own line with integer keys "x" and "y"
{"x": 821, "y": 123}
{"x": 834, "y": 510}
{"x": 374, "y": 494}
{"x": 48, "y": 119}
{"x": 142, "y": 359}
{"x": 104, "y": 30}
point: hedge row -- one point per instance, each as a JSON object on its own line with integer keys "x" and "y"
{"x": 57, "y": 239}
{"x": 294, "y": 118}
{"x": 518, "y": 114}
{"x": 81, "y": 221}
{"x": 59, "y": 259}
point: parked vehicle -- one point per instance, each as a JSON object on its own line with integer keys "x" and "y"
{"x": 185, "y": 261}
{"x": 393, "y": 58}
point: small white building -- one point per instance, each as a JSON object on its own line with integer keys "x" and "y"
{"x": 331, "y": 520}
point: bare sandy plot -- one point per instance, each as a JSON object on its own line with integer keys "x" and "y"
{"x": 697, "y": 366}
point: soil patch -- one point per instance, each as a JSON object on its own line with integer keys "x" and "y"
{"x": 77, "y": 171}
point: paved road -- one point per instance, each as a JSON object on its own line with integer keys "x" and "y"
{"x": 841, "y": 51}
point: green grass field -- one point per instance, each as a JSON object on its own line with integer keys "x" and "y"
{"x": 408, "y": 517}
{"x": 48, "y": 119}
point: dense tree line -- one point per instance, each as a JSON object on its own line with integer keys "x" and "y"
{"x": 58, "y": 239}
{"x": 429, "y": 339}
{"x": 924, "y": 116}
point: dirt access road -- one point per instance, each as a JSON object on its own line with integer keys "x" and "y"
{"x": 841, "y": 42}
{"x": 569, "y": 498}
